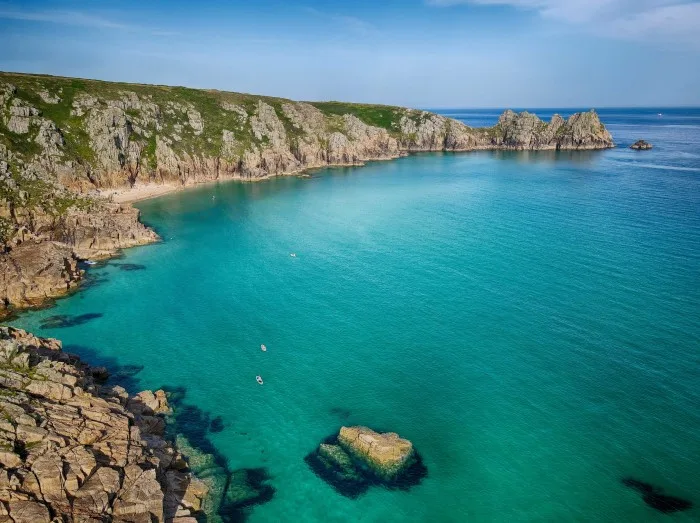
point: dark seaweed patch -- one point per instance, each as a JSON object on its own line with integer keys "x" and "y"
{"x": 129, "y": 266}
{"x": 90, "y": 280}
{"x": 216, "y": 425}
{"x": 340, "y": 412}
{"x": 62, "y": 321}
{"x": 242, "y": 489}
{"x": 354, "y": 481}
{"x": 122, "y": 375}
{"x": 654, "y": 497}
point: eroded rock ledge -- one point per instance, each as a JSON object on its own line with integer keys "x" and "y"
{"x": 40, "y": 264}
{"x": 72, "y": 450}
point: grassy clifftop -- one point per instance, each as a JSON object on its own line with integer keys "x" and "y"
{"x": 65, "y": 139}
{"x": 60, "y": 95}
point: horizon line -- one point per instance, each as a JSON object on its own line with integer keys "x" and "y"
{"x": 433, "y": 108}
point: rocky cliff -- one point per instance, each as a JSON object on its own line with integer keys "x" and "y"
{"x": 65, "y": 143}
{"x": 72, "y": 450}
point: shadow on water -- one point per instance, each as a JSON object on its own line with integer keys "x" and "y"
{"x": 351, "y": 478}
{"x": 233, "y": 492}
{"x": 62, "y": 321}
{"x": 654, "y": 497}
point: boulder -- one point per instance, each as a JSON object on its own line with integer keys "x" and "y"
{"x": 359, "y": 458}
{"x": 641, "y": 145}
{"x": 386, "y": 454}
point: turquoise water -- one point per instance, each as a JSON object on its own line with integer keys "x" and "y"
{"x": 530, "y": 321}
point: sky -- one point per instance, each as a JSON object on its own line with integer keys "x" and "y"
{"x": 418, "y": 53}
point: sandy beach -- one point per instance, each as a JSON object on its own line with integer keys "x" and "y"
{"x": 139, "y": 192}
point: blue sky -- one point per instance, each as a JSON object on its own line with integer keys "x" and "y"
{"x": 421, "y": 53}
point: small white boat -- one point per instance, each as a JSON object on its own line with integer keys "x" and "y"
{"x": 660, "y": 115}
{"x": 293, "y": 254}
{"x": 90, "y": 262}
{"x": 259, "y": 380}
{"x": 263, "y": 348}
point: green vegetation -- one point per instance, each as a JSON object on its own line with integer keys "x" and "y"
{"x": 173, "y": 120}
{"x": 21, "y": 144}
{"x": 6, "y": 230}
{"x": 385, "y": 116}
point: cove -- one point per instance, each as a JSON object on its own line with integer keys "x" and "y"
{"x": 529, "y": 322}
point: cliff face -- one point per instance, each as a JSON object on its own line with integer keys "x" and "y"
{"x": 40, "y": 260}
{"x": 75, "y": 451}
{"x": 88, "y": 135}
{"x": 64, "y": 143}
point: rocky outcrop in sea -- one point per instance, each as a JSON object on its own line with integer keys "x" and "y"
{"x": 641, "y": 145}
{"x": 358, "y": 458}
{"x": 73, "y": 450}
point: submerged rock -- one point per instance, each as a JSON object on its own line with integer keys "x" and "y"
{"x": 358, "y": 458}
{"x": 641, "y": 145}
{"x": 654, "y": 497}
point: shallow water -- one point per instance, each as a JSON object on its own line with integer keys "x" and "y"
{"x": 531, "y": 321}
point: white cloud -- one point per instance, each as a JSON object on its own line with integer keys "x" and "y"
{"x": 670, "y": 20}
{"x": 75, "y": 18}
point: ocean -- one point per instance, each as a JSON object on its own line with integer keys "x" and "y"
{"x": 530, "y": 321}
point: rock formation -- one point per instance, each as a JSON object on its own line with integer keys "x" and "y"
{"x": 359, "y": 457}
{"x": 641, "y": 145}
{"x": 72, "y": 450}
{"x": 42, "y": 264}
{"x": 387, "y": 454}
{"x": 64, "y": 143}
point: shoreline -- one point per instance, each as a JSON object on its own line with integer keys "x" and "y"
{"x": 142, "y": 192}
{"x": 149, "y": 190}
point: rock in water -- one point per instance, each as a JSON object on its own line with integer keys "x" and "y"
{"x": 387, "y": 455}
{"x": 359, "y": 458}
{"x": 641, "y": 145}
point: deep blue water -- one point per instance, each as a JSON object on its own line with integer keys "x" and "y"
{"x": 531, "y": 321}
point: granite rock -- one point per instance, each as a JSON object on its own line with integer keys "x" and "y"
{"x": 72, "y": 448}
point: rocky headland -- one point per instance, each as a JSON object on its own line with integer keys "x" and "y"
{"x": 70, "y": 147}
{"x": 75, "y": 450}
{"x": 358, "y": 457}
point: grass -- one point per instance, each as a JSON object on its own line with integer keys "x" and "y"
{"x": 207, "y": 102}
{"x": 385, "y": 116}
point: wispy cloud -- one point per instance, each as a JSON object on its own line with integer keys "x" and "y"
{"x": 76, "y": 18}
{"x": 352, "y": 23}
{"x": 670, "y": 20}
